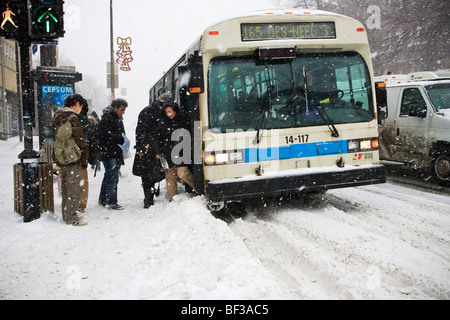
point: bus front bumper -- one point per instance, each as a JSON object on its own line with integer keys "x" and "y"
{"x": 281, "y": 185}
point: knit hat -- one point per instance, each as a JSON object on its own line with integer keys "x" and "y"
{"x": 162, "y": 98}
{"x": 171, "y": 103}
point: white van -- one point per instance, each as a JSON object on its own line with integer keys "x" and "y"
{"x": 415, "y": 122}
{"x": 392, "y": 78}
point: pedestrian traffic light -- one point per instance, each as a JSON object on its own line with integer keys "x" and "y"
{"x": 46, "y": 19}
{"x": 14, "y": 19}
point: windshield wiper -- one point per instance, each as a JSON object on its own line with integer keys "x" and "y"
{"x": 262, "y": 118}
{"x": 265, "y": 108}
{"x": 325, "y": 116}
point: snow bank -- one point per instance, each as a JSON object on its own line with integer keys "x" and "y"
{"x": 174, "y": 250}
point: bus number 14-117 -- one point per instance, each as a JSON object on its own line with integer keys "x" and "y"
{"x": 298, "y": 139}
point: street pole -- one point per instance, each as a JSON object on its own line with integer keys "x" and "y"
{"x": 27, "y": 97}
{"x": 29, "y": 158}
{"x": 112, "y": 50}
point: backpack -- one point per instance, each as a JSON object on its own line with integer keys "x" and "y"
{"x": 66, "y": 149}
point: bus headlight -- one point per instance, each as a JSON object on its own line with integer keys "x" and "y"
{"x": 209, "y": 159}
{"x": 222, "y": 158}
{"x": 365, "y": 144}
{"x": 230, "y": 157}
{"x": 352, "y": 145}
{"x": 368, "y": 144}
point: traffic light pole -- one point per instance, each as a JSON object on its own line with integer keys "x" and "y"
{"x": 29, "y": 158}
{"x": 27, "y": 92}
{"x": 28, "y": 21}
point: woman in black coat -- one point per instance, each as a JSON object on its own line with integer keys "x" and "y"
{"x": 175, "y": 137}
{"x": 110, "y": 132}
{"x": 111, "y": 135}
{"x": 146, "y": 162}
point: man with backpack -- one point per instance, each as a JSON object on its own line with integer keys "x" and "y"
{"x": 71, "y": 155}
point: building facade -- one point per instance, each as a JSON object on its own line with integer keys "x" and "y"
{"x": 9, "y": 98}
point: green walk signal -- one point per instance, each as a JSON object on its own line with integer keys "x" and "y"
{"x": 46, "y": 19}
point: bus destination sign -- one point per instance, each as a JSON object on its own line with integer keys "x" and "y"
{"x": 288, "y": 30}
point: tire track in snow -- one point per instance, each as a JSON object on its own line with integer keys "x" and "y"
{"x": 415, "y": 228}
{"x": 289, "y": 263}
{"x": 412, "y": 218}
{"x": 293, "y": 256}
{"x": 348, "y": 248}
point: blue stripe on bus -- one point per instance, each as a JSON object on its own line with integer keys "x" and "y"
{"x": 295, "y": 151}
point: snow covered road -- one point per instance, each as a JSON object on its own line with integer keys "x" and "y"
{"x": 373, "y": 242}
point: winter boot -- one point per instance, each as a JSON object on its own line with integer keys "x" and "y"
{"x": 148, "y": 201}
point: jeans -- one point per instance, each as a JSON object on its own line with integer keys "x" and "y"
{"x": 108, "y": 191}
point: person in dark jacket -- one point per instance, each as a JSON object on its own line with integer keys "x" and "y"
{"x": 94, "y": 147}
{"x": 146, "y": 162}
{"x": 175, "y": 130}
{"x": 72, "y": 174}
{"x": 87, "y": 133}
{"x": 111, "y": 134}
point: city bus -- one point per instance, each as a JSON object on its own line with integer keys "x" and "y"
{"x": 281, "y": 102}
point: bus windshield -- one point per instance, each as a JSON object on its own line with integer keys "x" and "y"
{"x": 307, "y": 90}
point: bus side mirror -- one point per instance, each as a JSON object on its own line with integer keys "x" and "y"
{"x": 195, "y": 70}
{"x": 196, "y": 84}
{"x": 382, "y": 115}
{"x": 381, "y": 98}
